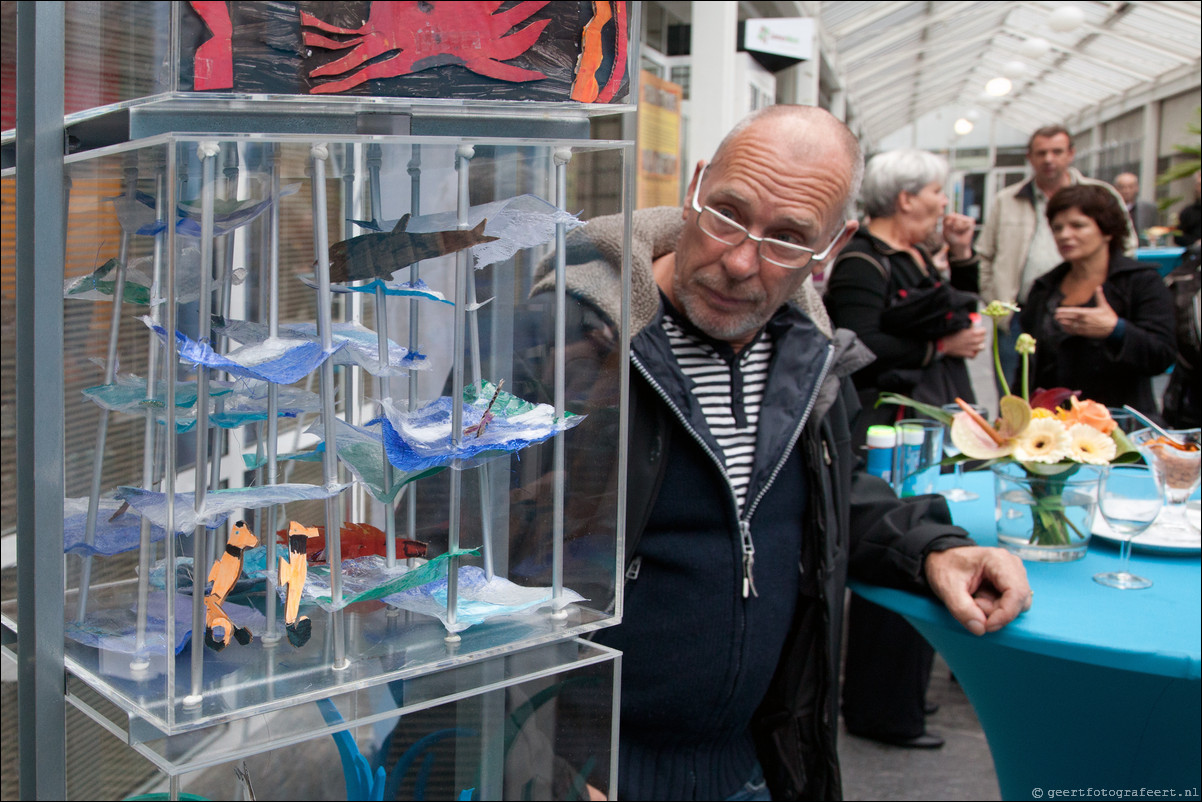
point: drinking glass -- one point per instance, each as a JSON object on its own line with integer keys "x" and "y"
{"x": 916, "y": 456}
{"x": 1129, "y": 499}
{"x": 1179, "y": 471}
{"x": 957, "y": 492}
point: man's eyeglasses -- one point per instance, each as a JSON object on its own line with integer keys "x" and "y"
{"x": 718, "y": 226}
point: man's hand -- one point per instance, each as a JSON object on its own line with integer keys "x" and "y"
{"x": 984, "y": 588}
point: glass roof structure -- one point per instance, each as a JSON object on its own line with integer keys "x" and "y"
{"x": 899, "y": 60}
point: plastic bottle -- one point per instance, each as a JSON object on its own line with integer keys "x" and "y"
{"x": 881, "y": 441}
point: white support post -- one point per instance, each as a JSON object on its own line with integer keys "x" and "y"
{"x": 711, "y": 78}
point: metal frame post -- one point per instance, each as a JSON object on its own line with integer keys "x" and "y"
{"x": 40, "y": 485}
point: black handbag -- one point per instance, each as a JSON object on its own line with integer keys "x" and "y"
{"x": 928, "y": 313}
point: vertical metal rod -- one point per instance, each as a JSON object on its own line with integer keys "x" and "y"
{"x": 319, "y": 154}
{"x": 561, "y": 158}
{"x": 170, "y": 374}
{"x": 415, "y": 275}
{"x": 102, "y": 425}
{"x": 462, "y": 266}
{"x": 482, "y": 472}
{"x": 224, "y": 283}
{"x": 208, "y": 152}
{"x": 149, "y": 432}
{"x": 374, "y": 159}
{"x": 40, "y": 253}
{"x": 270, "y": 633}
{"x": 352, "y": 378}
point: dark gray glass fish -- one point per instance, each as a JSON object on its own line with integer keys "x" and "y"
{"x": 379, "y": 255}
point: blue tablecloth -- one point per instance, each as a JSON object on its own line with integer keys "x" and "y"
{"x": 1093, "y": 687}
{"x": 1164, "y": 259}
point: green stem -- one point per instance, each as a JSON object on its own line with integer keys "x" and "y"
{"x": 1026, "y": 383}
{"x": 997, "y": 361}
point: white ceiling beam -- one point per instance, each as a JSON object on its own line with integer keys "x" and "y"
{"x": 1178, "y": 10}
{"x": 858, "y": 21}
{"x": 946, "y": 11}
{"x": 1106, "y": 31}
{"x": 890, "y": 63}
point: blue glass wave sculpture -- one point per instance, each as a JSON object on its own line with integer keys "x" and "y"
{"x": 280, "y": 361}
{"x": 218, "y": 504}
{"x": 356, "y": 344}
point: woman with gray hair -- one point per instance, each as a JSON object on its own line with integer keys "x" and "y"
{"x": 884, "y": 287}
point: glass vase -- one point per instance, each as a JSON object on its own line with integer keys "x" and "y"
{"x": 1045, "y": 518}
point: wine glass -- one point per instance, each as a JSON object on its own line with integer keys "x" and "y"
{"x": 957, "y": 492}
{"x": 1129, "y": 499}
{"x": 1179, "y": 470}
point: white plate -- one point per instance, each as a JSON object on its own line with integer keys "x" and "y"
{"x": 1156, "y": 539}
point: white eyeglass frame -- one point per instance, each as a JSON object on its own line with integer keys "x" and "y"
{"x": 815, "y": 256}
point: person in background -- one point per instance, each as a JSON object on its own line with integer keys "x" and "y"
{"x": 1189, "y": 220}
{"x": 1102, "y": 322}
{"x": 1182, "y": 402}
{"x": 744, "y": 514}
{"x": 1016, "y": 246}
{"x": 1143, "y": 214}
{"x": 885, "y": 288}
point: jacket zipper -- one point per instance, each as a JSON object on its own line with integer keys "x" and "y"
{"x": 745, "y": 542}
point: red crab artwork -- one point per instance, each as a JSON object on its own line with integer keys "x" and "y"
{"x": 213, "y": 67}
{"x": 427, "y": 34}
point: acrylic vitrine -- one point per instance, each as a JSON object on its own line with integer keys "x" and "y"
{"x": 356, "y": 336}
{"x": 534, "y": 724}
{"x": 335, "y": 417}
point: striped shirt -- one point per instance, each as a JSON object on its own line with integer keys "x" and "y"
{"x": 730, "y": 389}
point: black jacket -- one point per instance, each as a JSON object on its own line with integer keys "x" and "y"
{"x": 851, "y": 521}
{"x": 1112, "y": 371}
{"x": 870, "y": 290}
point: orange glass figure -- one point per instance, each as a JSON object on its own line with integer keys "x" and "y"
{"x": 292, "y": 573}
{"x": 224, "y": 575}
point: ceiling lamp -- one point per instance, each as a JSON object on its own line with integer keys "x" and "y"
{"x": 1034, "y": 48}
{"x": 998, "y": 87}
{"x": 1014, "y": 69}
{"x": 1066, "y": 18}
{"x": 963, "y": 126}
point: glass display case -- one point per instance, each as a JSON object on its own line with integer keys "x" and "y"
{"x": 335, "y": 419}
{"x": 325, "y": 292}
{"x": 535, "y": 724}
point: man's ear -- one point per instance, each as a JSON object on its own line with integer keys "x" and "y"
{"x": 688, "y": 194}
{"x": 852, "y": 227}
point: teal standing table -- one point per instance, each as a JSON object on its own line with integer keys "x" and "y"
{"x": 1164, "y": 259}
{"x": 1092, "y": 688}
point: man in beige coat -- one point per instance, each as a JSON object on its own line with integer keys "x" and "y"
{"x": 1016, "y": 245}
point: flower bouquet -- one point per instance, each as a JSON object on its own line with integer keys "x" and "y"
{"x": 1045, "y": 451}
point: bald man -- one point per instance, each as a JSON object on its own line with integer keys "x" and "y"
{"x": 744, "y": 515}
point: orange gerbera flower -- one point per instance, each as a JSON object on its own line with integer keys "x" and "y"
{"x": 1091, "y": 413}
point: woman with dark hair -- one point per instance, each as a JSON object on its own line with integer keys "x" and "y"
{"x": 1103, "y": 322}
